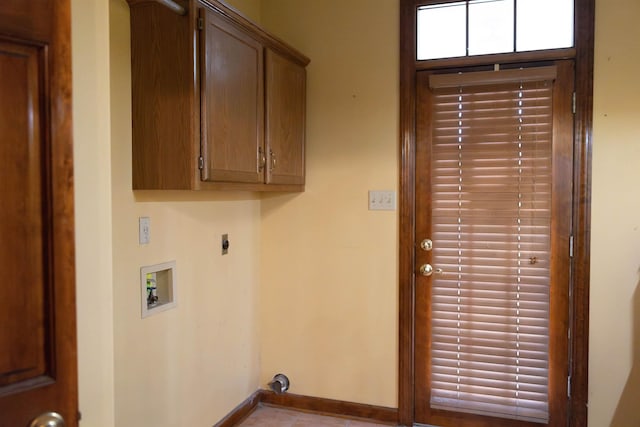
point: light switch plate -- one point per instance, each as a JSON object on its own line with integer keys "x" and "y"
{"x": 382, "y": 200}
{"x": 144, "y": 230}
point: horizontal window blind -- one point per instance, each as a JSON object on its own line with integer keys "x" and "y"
{"x": 491, "y": 205}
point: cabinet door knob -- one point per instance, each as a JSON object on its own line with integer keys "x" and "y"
{"x": 273, "y": 160}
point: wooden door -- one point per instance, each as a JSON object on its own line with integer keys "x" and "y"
{"x": 37, "y": 287}
{"x": 285, "y": 119}
{"x": 493, "y": 225}
{"x": 232, "y": 103}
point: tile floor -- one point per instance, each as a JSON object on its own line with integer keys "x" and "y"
{"x": 267, "y": 416}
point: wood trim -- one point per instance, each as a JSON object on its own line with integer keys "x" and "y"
{"x": 559, "y": 308}
{"x": 424, "y": 124}
{"x": 241, "y": 411}
{"x": 263, "y": 36}
{"x": 330, "y": 407}
{"x": 579, "y": 321}
{"x": 309, "y": 404}
{"x": 62, "y": 210}
{"x": 579, "y": 316}
{"x": 407, "y": 208}
{"x": 233, "y": 186}
{"x": 498, "y": 58}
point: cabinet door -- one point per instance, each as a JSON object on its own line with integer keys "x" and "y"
{"x": 285, "y": 119}
{"x": 232, "y": 103}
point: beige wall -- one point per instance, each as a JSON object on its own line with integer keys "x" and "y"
{"x": 92, "y": 140}
{"x": 252, "y": 9}
{"x": 199, "y": 360}
{"x": 193, "y": 364}
{"x": 332, "y": 268}
{"x": 329, "y": 292}
{"x": 615, "y": 266}
{"x": 310, "y": 286}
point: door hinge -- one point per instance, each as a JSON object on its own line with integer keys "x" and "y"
{"x": 573, "y": 107}
{"x": 79, "y": 416}
{"x": 201, "y": 163}
{"x": 571, "y": 246}
{"x": 569, "y": 386}
{"x": 201, "y": 26}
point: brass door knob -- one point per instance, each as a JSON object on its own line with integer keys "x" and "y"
{"x": 48, "y": 419}
{"x": 426, "y": 270}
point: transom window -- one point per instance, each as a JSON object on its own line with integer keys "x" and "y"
{"x": 481, "y": 27}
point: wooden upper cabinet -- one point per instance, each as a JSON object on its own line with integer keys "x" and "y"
{"x": 232, "y": 102}
{"x": 218, "y": 103}
{"x": 285, "y": 119}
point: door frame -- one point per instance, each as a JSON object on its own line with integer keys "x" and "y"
{"x": 583, "y": 126}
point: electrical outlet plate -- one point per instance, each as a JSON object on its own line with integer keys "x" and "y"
{"x": 225, "y": 244}
{"x": 382, "y": 200}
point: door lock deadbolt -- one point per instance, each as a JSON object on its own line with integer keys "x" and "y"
{"x": 426, "y": 245}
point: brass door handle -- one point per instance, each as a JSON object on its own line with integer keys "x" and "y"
{"x": 427, "y": 270}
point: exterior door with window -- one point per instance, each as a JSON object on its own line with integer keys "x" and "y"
{"x": 493, "y": 225}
